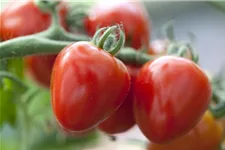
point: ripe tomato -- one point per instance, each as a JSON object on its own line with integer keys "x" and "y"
{"x": 123, "y": 118}
{"x": 132, "y": 14}
{"x": 75, "y": 134}
{"x": 22, "y": 17}
{"x": 88, "y": 85}
{"x": 206, "y": 135}
{"x": 40, "y": 68}
{"x": 171, "y": 95}
{"x": 158, "y": 47}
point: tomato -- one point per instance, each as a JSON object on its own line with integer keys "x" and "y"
{"x": 22, "y": 17}
{"x": 88, "y": 85}
{"x": 123, "y": 118}
{"x": 40, "y": 68}
{"x": 77, "y": 134}
{"x": 206, "y": 135}
{"x": 171, "y": 96}
{"x": 132, "y": 14}
{"x": 158, "y": 47}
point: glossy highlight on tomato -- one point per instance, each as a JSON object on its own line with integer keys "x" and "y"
{"x": 206, "y": 135}
{"x": 132, "y": 14}
{"x": 171, "y": 96}
{"x": 88, "y": 85}
{"x": 123, "y": 119}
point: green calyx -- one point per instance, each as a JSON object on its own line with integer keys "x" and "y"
{"x": 107, "y": 40}
{"x": 218, "y": 96}
{"x": 182, "y": 49}
{"x": 46, "y": 5}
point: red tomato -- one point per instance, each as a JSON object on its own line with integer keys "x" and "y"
{"x": 88, "y": 85}
{"x": 132, "y": 14}
{"x": 40, "y": 68}
{"x": 75, "y": 134}
{"x": 158, "y": 47}
{"x": 123, "y": 118}
{"x": 172, "y": 95}
{"x": 21, "y": 18}
{"x": 206, "y": 135}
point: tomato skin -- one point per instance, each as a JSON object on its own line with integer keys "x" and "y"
{"x": 88, "y": 85}
{"x": 123, "y": 119}
{"x": 132, "y": 14}
{"x": 206, "y": 135}
{"x": 40, "y": 68}
{"x": 22, "y": 17}
{"x": 168, "y": 102}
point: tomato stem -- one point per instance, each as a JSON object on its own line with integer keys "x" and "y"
{"x": 131, "y": 56}
{"x": 56, "y": 31}
{"x": 119, "y": 44}
{"x": 105, "y": 35}
{"x": 106, "y": 40}
{"x": 33, "y": 45}
{"x": 76, "y": 16}
{"x": 30, "y": 45}
{"x": 5, "y": 74}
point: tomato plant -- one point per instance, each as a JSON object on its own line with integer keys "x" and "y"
{"x": 207, "y": 135}
{"x": 95, "y": 85}
{"x": 88, "y": 85}
{"x": 22, "y": 17}
{"x": 14, "y": 23}
{"x": 171, "y": 95}
{"x": 132, "y": 14}
{"x": 123, "y": 118}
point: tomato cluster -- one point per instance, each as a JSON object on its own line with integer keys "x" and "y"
{"x": 90, "y": 87}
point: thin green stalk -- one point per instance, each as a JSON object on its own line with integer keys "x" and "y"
{"x": 5, "y": 74}
{"x": 30, "y": 45}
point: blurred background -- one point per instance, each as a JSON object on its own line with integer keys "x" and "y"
{"x": 206, "y": 20}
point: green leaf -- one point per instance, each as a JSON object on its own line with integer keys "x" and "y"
{"x": 54, "y": 140}
{"x": 10, "y": 92}
{"x": 7, "y": 107}
{"x": 16, "y": 66}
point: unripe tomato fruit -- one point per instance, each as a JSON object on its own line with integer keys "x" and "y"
{"x": 21, "y": 18}
{"x": 171, "y": 96}
{"x": 123, "y": 118}
{"x": 88, "y": 85}
{"x": 206, "y": 135}
{"x": 132, "y": 14}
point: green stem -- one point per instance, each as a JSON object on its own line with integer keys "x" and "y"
{"x": 119, "y": 44}
{"x": 219, "y": 110}
{"x": 4, "y": 74}
{"x": 32, "y": 95}
{"x": 131, "y": 56}
{"x": 30, "y": 45}
{"x": 106, "y": 34}
{"x": 57, "y": 32}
